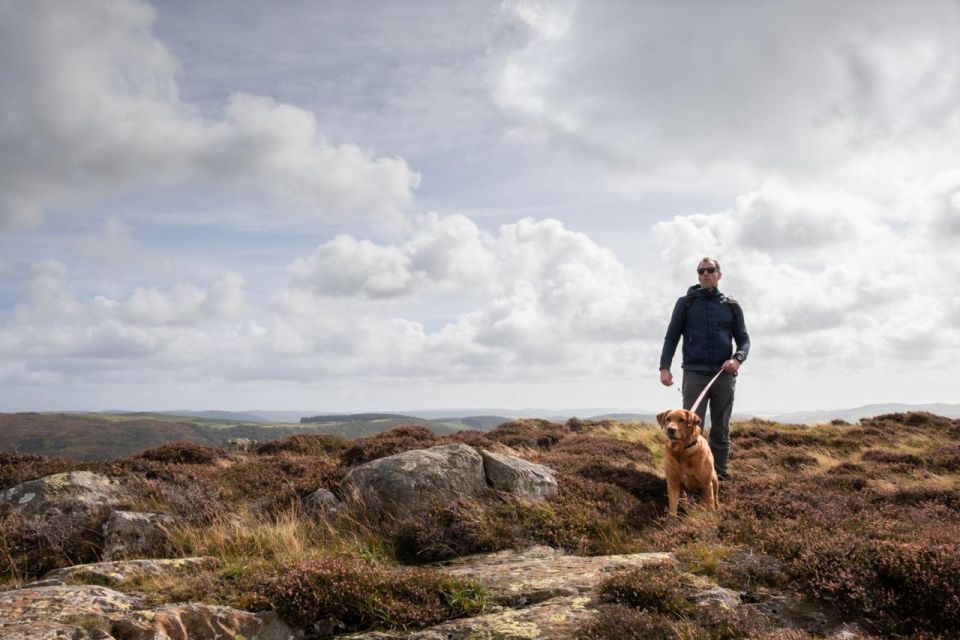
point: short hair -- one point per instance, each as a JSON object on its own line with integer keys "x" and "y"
{"x": 715, "y": 262}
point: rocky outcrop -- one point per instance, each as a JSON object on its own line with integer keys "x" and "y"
{"x": 521, "y": 578}
{"x": 61, "y": 611}
{"x": 63, "y": 514}
{"x": 131, "y": 534}
{"x": 519, "y": 477}
{"x": 92, "y": 612}
{"x": 542, "y": 593}
{"x": 200, "y": 622}
{"x": 120, "y": 572}
{"x": 64, "y": 496}
{"x": 414, "y": 481}
{"x": 322, "y": 503}
{"x": 240, "y": 444}
{"x": 536, "y": 593}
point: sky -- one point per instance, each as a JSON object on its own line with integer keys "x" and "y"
{"x": 328, "y": 205}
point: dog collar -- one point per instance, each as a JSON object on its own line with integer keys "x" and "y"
{"x": 692, "y": 444}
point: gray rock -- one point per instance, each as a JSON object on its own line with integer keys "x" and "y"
{"x": 60, "y": 611}
{"x": 240, "y": 444}
{"x": 414, "y": 481}
{"x": 322, "y": 502}
{"x": 519, "y": 477}
{"x": 520, "y": 578}
{"x": 88, "y": 612}
{"x": 202, "y": 622}
{"x": 120, "y": 572}
{"x": 717, "y": 597}
{"x": 62, "y": 494}
{"x": 131, "y": 534}
{"x": 68, "y": 508}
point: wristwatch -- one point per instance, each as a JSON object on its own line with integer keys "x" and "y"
{"x": 738, "y": 357}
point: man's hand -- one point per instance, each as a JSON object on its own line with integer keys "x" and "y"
{"x": 666, "y": 378}
{"x": 730, "y": 365}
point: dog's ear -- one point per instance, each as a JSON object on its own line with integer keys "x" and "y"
{"x": 662, "y": 418}
{"x": 693, "y": 419}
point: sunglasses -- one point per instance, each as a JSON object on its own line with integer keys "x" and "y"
{"x": 703, "y": 270}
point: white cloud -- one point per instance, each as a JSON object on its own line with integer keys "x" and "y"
{"x": 827, "y": 277}
{"x": 857, "y": 90}
{"x": 84, "y": 115}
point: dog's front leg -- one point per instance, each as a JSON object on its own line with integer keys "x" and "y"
{"x": 673, "y": 496}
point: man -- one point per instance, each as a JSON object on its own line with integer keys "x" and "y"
{"x": 708, "y": 321}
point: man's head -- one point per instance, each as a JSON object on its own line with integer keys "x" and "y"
{"x": 708, "y": 272}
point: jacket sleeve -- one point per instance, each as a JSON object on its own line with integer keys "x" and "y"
{"x": 740, "y": 334}
{"x": 674, "y": 331}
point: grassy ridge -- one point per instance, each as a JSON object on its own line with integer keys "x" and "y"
{"x": 863, "y": 516}
{"x": 102, "y": 436}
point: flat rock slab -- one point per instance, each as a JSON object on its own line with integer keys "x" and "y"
{"x": 520, "y": 578}
{"x": 119, "y": 572}
{"x": 556, "y": 619}
{"x": 92, "y": 612}
{"x": 41, "y": 612}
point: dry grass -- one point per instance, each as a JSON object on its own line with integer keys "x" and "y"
{"x": 863, "y": 516}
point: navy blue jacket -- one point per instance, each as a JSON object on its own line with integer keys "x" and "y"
{"x": 709, "y": 322}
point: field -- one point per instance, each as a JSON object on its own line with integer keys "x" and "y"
{"x": 862, "y": 517}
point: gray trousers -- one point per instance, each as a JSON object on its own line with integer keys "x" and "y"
{"x": 720, "y": 399}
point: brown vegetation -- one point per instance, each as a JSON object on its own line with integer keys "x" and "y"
{"x": 861, "y": 516}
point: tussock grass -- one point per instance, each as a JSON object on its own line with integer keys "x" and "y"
{"x": 862, "y": 516}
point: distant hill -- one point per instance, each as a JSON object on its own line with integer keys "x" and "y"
{"x": 483, "y": 423}
{"x": 866, "y": 411}
{"x": 229, "y": 416}
{"x": 91, "y": 436}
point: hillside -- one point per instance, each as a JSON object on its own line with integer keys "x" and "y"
{"x": 91, "y": 436}
{"x": 866, "y": 411}
{"x": 828, "y": 531}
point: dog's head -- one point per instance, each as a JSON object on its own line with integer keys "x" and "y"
{"x": 681, "y": 426}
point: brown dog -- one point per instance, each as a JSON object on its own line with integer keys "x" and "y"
{"x": 688, "y": 462}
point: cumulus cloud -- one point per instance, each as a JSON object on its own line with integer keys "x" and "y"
{"x": 80, "y": 115}
{"x": 533, "y": 297}
{"x": 541, "y": 293}
{"x": 748, "y": 92}
{"x": 829, "y": 277}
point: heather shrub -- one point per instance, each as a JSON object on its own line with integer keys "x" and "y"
{"x": 472, "y": 438}
{"x": 944, "y": 459}
{"x": 17, "y": 468}
{"x": 642, "y": 485}
{"x": 892, "y": 458}
{"x": 586, "y": 517}
{"x": 30, "y": 547}
{"x": 277, "y": 482}
{"x": 181, "y": 452}
{"x": 452, "y": 530}
{"x": 580, "y": 450}
{"x": 748, "y": 571}
{"x": 912, "y": 419}
{"x": 328, "y": 595}
{"x": 655, "y": 589}
{"x": 619, "y": 622}
{"x": 528, "y": 432}
{"x": 916, "y": 496}
{"x": 795, "y": 460}
{"x": 901, "y": 587}
{"x": 846, "y": 476}
{"x": 194, "y": 497}
{"x": 388, "y": 443}
{"x": 320, "y": 445}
